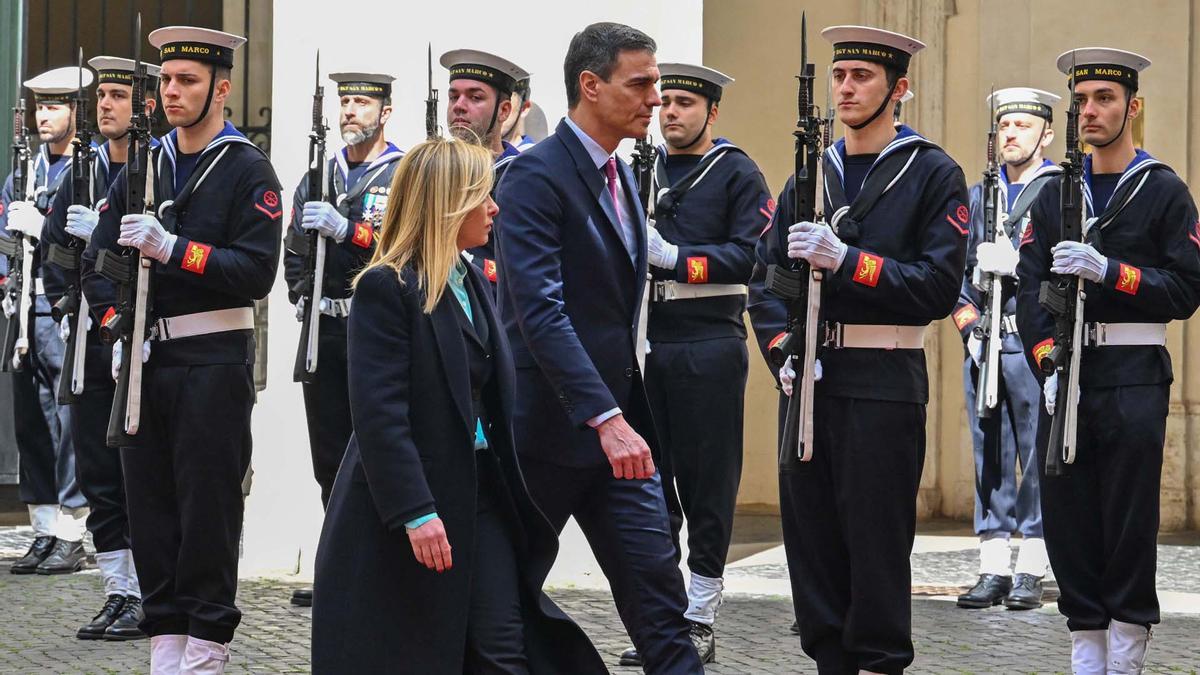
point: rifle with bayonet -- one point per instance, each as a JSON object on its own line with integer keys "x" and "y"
{"x": 644, "y": 157}
{"x": 312, "y": 244}
{"x": 19, "y": 250}
{"x": 1063, "y": 296}
{"x": 130, "y": 270}
{"x": 989, "y": 330}
{"x": 72, "y": 305}
{"x": 800, "y": 283}
{"x": 431, "y": 102}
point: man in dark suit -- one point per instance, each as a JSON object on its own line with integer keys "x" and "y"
{"x": 572, "y": 252}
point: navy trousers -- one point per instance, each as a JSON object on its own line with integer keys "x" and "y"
{"x": 626, "y": 524}
{"x": 1002, "y": 506}
{"x": 1102, "y": 517}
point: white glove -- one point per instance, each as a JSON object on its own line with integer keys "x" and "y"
{"x": 997, "y": 257}
{"x": 146, "y": 234}
{"x": 660, "y": 252}
{"x": 816, "y": 244}
{"x": 787, "y": 375}
{"x": 24, "y": 217}
{"x": 975, "y": 348}
{"x": 81, "y": 221}
{"x": 324, "y": 218}
{"x": 1050, "y": 391}
{"x": 64, "y": 327}
{"x": 10, "y": 307}
{"x": 300, "y": 309}
{"x": 1082, "y": 260}
{"x": 118, "y": 350}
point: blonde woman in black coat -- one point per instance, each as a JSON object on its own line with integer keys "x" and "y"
{"x": 432, "y": 555}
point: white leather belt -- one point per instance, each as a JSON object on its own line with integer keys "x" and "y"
{"x": 39, "y": 286}
{"x": 335, "y": 307}
{"x": 203, "y": 323}
{"x": 1124, "y": 334}
{"x": 861, "y": 336}
{"x": 666, "y": 291}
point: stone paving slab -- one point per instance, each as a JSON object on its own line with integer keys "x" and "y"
{"x": 41, "y": 614}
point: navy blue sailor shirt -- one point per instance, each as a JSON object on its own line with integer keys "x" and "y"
{"x": 905, "y": 267}
{"x": 226, "y": 252}
{"x": 1148, "y": 230}
{"x": 715, "y": 225}
{"x": 360, "y": 192}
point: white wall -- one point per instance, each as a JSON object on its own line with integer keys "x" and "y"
{"x": 283, "y": 514}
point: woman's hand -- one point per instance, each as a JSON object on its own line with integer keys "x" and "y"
{"x": 430, "y": 545}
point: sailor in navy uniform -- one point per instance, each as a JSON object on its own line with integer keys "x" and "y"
{"x": 1002, "y": 507}
{"x": 214, "y": 240}
{"x": 514, "y": 128}
{"x": 712, "y": 203}
{"x": 360, "y": 178}
{"x": 478, "y": 104}
{"x": 893, "y": 262}
{"x": 98, "y": 466}
{"x": 48, "y": 486}
{"x": 1140, "y": 266}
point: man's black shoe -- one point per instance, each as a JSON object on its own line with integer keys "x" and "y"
{"x": 65, "y": 558}
{"x": 94, "y": 630}
{"x": 631, "y": 657}
{"x": 989, "y": 591}
{"x": 1026, "y": 593}
{"x": 38, "y": 551}
{"x": 705, "y": 642}
{"x": 302, "y": 597}
{"x": 796, "y": 627}
{"x": 126, "y": 625}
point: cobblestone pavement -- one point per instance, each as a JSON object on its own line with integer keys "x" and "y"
{"x": 42, "y": 613}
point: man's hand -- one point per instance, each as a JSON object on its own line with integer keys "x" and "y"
{"x": 430, "y": 545}
{"x": 300, "y": 308}
{"x": 626, "y": 450}
{"x": 1082, "y": 260}
{"x": 146, "y": 234}
{"x": 24, "y": 217}
{"x": 975, "y": 348}
{"x": 1050, "y": 391}
{"x": 324, "y": 218}
{"x": 660, "y": 252}
{"x": 997, "y": 257}
{"x": 787, "y": 375}
{"x": 816, "y": 244}
{"x": 81, "y": 221}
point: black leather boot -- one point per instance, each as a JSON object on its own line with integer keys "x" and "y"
{"x": 38, "y": 551}
{"x": 987, "y": 592}
{"x": 1026, "y": 593}
{"x": 126, "y": 625}
{"x": 302, "y": 597}
{"x": 65, "y": 558}
{"x": 94, "y": 630}
{"x": 704, "y": 641}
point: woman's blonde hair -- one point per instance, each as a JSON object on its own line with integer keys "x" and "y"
{"x": 437, "y": 184}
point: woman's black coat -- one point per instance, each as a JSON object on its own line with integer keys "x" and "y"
{"x": 375, "y": 608}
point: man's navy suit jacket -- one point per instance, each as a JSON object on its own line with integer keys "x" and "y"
{"x": 569, "y": 296}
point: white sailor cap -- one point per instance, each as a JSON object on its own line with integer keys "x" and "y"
{"x": 1023, "y": 100}
{"x": 696, "y": 79}
{"x": 472, "y": 64}
{"x": 196, "y": 44}
{"x": 53, "y": 86}
{"x": 378, "y": 85}
{"x": 1103, "y": 63}
{"x": 863, "y": 43}
{"x": 116, "y": 70}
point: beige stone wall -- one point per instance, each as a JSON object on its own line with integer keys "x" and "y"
{"x": 974, "y": 45}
